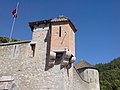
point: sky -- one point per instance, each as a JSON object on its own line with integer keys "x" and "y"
{"x": 97, "y": 23}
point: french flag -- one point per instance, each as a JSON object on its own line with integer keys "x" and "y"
{"x": 14, "y": 12}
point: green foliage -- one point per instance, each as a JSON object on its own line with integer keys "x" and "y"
{"x": 6, "y": 40}
{"x": 110, "y": 75}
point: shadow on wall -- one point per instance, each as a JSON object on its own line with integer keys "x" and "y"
{"x": 47, "y": 40}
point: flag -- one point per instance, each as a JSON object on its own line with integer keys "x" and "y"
{"x": 14, "y": 12}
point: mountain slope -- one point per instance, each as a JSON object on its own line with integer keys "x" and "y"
{"x": 110, "y": 75}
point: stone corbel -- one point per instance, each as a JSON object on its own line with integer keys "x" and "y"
{"x": 72, "y": 60}
{"x": 52, "y": 59}
{"x": 67, "y": 59}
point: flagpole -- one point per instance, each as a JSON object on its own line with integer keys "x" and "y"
{"x": 13, "y": 24}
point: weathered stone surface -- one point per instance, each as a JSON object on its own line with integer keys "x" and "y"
{"x": 24, "y": 66}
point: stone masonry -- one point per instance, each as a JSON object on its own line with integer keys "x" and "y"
{"x": 46, "y": 61}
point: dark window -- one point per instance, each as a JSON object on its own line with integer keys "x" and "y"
{"x": 59, "y": 31}
{"x": 87, "y": 72}
{"x": 33, "y": 49}
{"x": 90, "y": 79}
{"x": 95, "y": 81}
{"x": 14, "y": 52}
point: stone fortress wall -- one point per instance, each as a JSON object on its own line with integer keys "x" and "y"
{"x": 25, "y": 65}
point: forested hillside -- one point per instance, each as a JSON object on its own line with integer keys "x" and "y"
{"x": 110, "y": 75}
{"x": 6, "y": 39}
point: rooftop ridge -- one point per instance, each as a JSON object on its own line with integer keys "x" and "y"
{"x": 83, "y": 64}
{"x": 17, "y": 42}
{"x": 60, "y": 18}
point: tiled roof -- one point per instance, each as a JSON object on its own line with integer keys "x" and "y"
{"x": 83, "y": 64}
{"x": 60, "y": 18}
{"x": 57, "y": 19}
{"x": 54, "y": 20}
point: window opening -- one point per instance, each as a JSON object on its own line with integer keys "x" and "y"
{"x": 87, "y": 72}
{"x": 90, "y": 79}
{"x": 33, "y": 49}
{"x": 95, "y": 81}
{"x": 59, "y": 31}
{"x": 14, "y": 51}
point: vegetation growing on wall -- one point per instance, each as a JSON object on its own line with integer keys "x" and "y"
{"x": 6, "y": 39}
{"x": 110, "y": 75}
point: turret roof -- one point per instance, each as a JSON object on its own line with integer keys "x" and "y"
{"x": 60, "y": 18}
{"x": 54, "y": 20}
{"x": 83, "y": 64}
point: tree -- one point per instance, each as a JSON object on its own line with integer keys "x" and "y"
{"x": 110, "y": 75}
